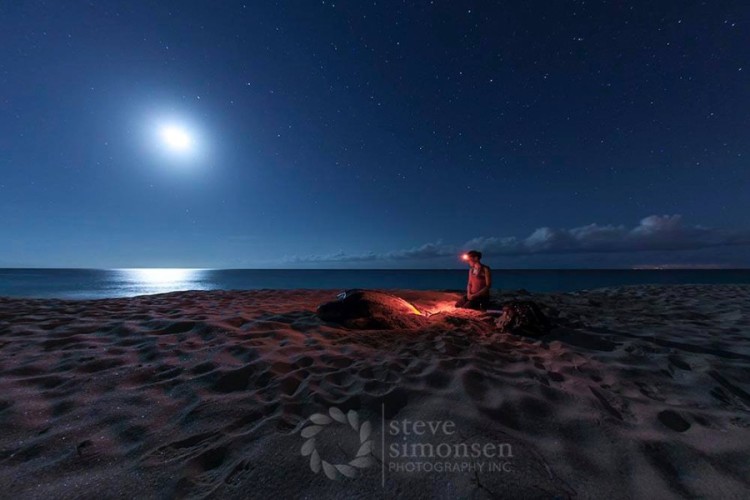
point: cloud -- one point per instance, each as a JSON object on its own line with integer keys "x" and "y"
{"x": 653, "y": 233}
{"x": 426, "y": 251}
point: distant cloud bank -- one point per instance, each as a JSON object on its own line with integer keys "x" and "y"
{"x": 653, "y": 233}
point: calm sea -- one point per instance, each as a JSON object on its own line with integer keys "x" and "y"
{"x": 103, "y": 283}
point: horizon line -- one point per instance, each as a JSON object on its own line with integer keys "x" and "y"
{"x": 664, "y": 267}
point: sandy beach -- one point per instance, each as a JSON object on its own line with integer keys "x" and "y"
{"x": 638, "y": 392}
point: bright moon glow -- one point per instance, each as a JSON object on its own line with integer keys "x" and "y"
{"x": 176, "y": 138}
{"x": 154, "y": 280}
{"x": 162, "y": 276}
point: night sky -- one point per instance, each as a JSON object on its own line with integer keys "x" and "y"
{"x": 354, "y": 134}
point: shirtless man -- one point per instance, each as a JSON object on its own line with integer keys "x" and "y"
{"x": 480, "y": 280}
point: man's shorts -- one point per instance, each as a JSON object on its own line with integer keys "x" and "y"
{"x": 480, "y": 303}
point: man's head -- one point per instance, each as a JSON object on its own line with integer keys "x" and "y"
{"x": 474, "y": 256}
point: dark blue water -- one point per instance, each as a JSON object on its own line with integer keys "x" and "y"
{"x": 102, "y": 283}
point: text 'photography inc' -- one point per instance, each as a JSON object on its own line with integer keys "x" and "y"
{"x": 341, "y": 445}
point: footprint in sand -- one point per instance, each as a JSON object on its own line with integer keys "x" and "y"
{"x": 679, "y": 362}
{"x": 673, "y": 420}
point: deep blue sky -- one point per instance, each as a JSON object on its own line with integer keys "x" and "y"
{"x": 375, "y": 134}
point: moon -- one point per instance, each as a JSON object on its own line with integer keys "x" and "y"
{"x": 176, "y": 138}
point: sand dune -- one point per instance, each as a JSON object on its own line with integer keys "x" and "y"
{"x": 639, "y": 392}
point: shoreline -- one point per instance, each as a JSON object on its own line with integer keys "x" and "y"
{"x": 74, "y": 284}
{"x": 639, "y": 390}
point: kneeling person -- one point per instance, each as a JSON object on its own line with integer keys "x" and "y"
{"x": 478, "y": 288}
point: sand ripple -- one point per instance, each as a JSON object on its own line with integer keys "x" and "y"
{"x": 638, "y": 392}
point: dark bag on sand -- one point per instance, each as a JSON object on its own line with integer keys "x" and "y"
{"x": 523, "y": 317}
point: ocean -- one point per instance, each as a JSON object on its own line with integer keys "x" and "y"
{"x": 105, "y": 283}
